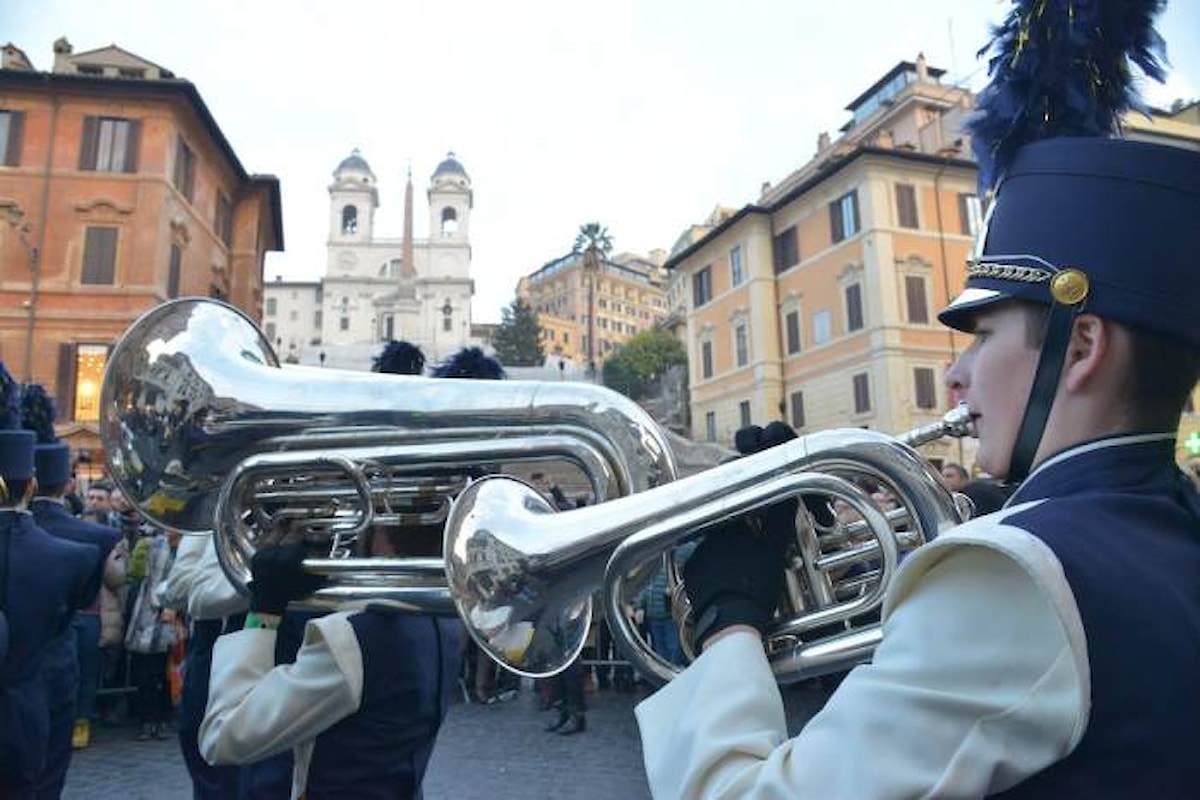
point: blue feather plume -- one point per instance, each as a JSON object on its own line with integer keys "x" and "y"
{"x": 470, "y": 362}
{"x": 1062, "y": 68}
{"x": 37, "y": 413}
{"x": 400, "y": 358}
{"x": 10, "y": 401}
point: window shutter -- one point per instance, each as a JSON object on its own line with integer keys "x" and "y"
{"x": 926, "y": 391}
{"x": 131, "y": 145}
{"x": 835, "y": 220}
{"x": 88, "y": 147}
{"x": 797, "y": 410}
{"x": 906, "y": 205}
{"x": 857, "y": 217}
{"x": 174, "y": 272}
{"x": 16, "y": 127}
{"x": 918, "y": 308}
{"x": 64, "y": 389}
{"x": 99, "y": 256}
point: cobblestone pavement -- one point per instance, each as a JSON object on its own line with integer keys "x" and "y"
{"x": 497, "y": 752}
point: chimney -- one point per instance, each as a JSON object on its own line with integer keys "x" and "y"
{"x": 822, "y": 142}
{"x": 922, "y": 69}
{"x": 62, "y": 56}
{"x": 766, "y": 187}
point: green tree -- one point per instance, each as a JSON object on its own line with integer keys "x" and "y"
{"x": 594, "y": 243}
{"x": 641, "y": 359}
{"x": 518, "y": 340}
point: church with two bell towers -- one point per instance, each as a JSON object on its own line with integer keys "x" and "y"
{"x": 376, "y": 288}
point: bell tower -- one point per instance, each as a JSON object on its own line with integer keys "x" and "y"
{"x": 450, "y": 202}
{"x": 353, "y": 198}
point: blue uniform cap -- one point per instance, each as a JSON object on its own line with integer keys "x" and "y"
{"x": 16, "y": 455}
{"x": 1107, "y": 225}
{"x": 52, "y": 463}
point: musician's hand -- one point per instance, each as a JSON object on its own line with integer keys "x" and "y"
{"x": 279, "y": 577}
{"x": 777, "y": 521}
{"x": 735, "y": 577}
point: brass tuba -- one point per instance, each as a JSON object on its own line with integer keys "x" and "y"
{"x": 206, "y": 432}
{"x": 521, "y": 575}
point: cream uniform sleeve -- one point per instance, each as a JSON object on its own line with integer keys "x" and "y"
{"x": 981, "y": 680}
{"x": 256, "y": 709}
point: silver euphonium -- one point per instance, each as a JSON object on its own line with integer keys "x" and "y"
{"x": 522, "y": 576}
{"x": 206, "y": 432}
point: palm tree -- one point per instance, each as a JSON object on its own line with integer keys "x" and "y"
{"x": 594, "y": 243}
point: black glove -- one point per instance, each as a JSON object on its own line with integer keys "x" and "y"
{"x": 777, "y": 521}
{"x": 279, "y": 577}
{"x": 735, "y": 577}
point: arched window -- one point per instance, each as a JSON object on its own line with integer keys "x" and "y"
{"x": 350, "y": 219}
{"x": 449, "y": 221}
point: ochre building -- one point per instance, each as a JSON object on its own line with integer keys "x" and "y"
{"x": 118, "y": 191}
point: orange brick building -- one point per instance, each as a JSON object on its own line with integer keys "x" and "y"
{"x": 117, "y": 191}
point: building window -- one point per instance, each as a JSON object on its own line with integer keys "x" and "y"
{"x": 710, "y": 426}
{"x": 735, "y": 266}
{"x": 270, "y": 332}
{"x": 99, "y": 256}
{"x": 185, "y": 169}
{"x": 744, "y": 413}
{"x": 349, "y": 220}
{"x": 174, "y": 270}
{"x": 344, "y": 323}
{"x": 702, "y": 287}
{"x": 706, "y": 359}
{"x": 862, "y": 394}
{"x": 918, "y": 305}
{"x": 797, "y": 410}
{"x": 843, "y": 216}
{"x": 822, "y": 329}
{"x": 389, "y": 327}
{"x": 447, "y": 324}
{"x": 272, "y": 306}
{"x": 926, "y": 388}
{"x": 318, "y": 319}
{"x": 12, "y": 127}
{"x": 223, "y": 219}
{"x": 792, "y": 324}
{"x": 906, "y": 205}
{"x": 741, "y": 342}
{"x": 854, "y": 309}
{"x": 293, "y": 315}
{"x": 110, "y": 144}
{"x": 970, "y": 214}
{"x": 89, "y": 363}
{"x": 787, "y": 249}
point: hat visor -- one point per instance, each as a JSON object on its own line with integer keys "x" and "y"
{"x": 960, "y": 314}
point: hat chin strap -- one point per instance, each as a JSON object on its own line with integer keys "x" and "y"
{"x": 1041, "y": 394}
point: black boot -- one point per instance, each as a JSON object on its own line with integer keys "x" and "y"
{"x": 563, "y": 716}
{"x": 577, "y": 723}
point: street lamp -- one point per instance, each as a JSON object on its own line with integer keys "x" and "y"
{"x": 16, "y": 219}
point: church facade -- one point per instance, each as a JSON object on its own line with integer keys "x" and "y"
{"x": 376, "y": 288}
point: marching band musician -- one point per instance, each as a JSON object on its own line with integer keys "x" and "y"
{"x": 61, "y": 671}
{"x": 1047, "y": 649}
{"x": 43, "y": 579}
{"x": 361, "y": 705}
{"x": 197, "y": 584}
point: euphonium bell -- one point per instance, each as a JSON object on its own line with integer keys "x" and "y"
{"x": 522, "y": 575}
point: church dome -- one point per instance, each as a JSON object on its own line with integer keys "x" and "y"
{"x": 450, "y": 166}
{"x": 354, "y": 162}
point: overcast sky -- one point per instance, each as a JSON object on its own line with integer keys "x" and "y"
{"x": 640, "y": 115}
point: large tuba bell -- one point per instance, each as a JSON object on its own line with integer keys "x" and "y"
{"x": 204, "y": 431}
{"x": 521, "y": 575}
